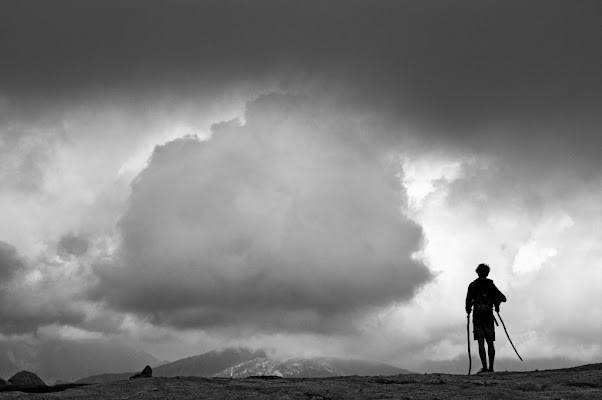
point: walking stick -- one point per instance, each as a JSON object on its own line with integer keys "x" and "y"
{"x": 504, "y": 325}
{"x": 468, "y": 337}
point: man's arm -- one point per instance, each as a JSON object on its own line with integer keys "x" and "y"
{"x": 469, "y": 297}
{"x": 499, "y": 298}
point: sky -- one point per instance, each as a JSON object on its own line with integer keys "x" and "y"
{"x": 316, "y": 177}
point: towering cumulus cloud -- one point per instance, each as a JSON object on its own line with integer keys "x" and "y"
{"x": 284, "y": 223}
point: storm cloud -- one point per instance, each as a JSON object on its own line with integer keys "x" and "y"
{"x": 72, "y": 244}
{"x": 29, "y": 301}
{"x": 10, "y": 262}
{"x": 281, "y": 223}
{"x": 520, "y": 80}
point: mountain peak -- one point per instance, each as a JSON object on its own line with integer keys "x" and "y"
{"x": 209, "y": 363}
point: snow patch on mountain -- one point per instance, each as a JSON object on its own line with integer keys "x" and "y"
{"x": 295, "y": 367}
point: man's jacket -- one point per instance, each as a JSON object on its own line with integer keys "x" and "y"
{"x": 483, "y": 294}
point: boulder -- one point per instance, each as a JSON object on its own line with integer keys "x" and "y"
{"x": 147, "y": 372}
{"x": 3, "y": 382}
{"x": 26, "y": 379}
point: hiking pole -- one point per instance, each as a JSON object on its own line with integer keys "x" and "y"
{"x": 468, "y": 337}
{"x": 504, "y": 325}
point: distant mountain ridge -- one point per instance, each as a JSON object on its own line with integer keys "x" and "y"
{"x": 320, "y": 367}
{"x": 241, "y": 362}
{"x": 203, "y": 365}
{"x": 208, "y": 364}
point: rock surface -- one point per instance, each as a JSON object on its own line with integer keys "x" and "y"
{"x": 583, "y": 382}
{"x": 147, "y": 372}
{"x": 26, "y": 379}
{"x": 3, "y": 383}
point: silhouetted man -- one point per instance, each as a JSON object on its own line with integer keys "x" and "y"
{"x": 483, "y": 296}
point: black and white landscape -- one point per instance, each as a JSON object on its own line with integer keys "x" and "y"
{"x": 311, "y": 181}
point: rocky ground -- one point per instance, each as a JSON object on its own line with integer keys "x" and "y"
{"x": 583, "y": 382}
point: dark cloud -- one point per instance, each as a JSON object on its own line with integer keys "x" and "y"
{"x": 284, "y": 223}
{"x": 17, "y": 319}
{"x": 10, "y": 262}
{"x": 25, "y": 307}
{"x": 73, "y": 244}
{"x": 504, "y": 78}
{"x": 465, "y": 58}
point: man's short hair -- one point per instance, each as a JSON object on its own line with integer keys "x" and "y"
{"x": 483, "y": 270}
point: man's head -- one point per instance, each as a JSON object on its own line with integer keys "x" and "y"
{"x": 483, "y": 270}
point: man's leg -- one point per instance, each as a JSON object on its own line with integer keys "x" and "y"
{"x": 482, "y": 353}
{"x": 491, "y": 350}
